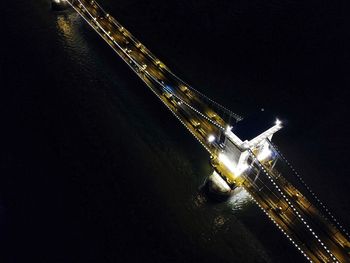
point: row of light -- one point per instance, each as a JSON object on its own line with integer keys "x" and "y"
{"x": 179, "y": 117}
{"x": 312, "y": 193}
{"x": 201, "y": 114}
{"x": 181, "y": 121}
{"x": 214, "y": 102}
{"x": 59, "y": 1}
{"x": 111, "y": 38}
{"x": 211, "y": 138}
{"x": 280, "y": 228}
{"x": 295, "y": 210}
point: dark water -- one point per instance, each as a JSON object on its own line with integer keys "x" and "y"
{"x": 94, "y": 168}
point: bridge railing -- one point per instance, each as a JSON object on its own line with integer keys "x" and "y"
{"x": 291, "y": 174}
{"x": 261, "y": 189}
{"x": 311, "y": 222}
{"x": 137, "y": 68}
{"x": 228, "y": 116}
{"x": 221, "y": 109}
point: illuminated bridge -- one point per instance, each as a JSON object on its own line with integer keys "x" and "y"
{"x": 241, "y": 150}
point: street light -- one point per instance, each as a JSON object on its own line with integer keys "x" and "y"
{"x": 211, "y": 138}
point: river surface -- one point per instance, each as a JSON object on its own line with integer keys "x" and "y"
{"x": 95, "y": 169}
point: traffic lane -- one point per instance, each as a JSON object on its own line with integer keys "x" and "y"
{"x": 186, "y": 114}
{"x": 143, "y": 59}
{"x": 208, "y": 128}
{"x": 320, "y": 228}
{"x": 134, "y": 52}
{"x": 314, "y": 216}
{"x": 296, "y": 227}
{"x": 183, "y": 118}
{"x": 154, "y": 69}
{"x": 266, "y": 204}
{"x": 318, "y": 224}
{"x": 137, "y": 49}
{"x": 93, "y": 9}
{"x": 328, "y": 242}
{"x": 289, "y": 218}
{"x": 109, "y": 26}
{"x": 204, "y": 106}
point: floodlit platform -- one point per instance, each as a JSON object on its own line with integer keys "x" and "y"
{"x": 250, "y": 134}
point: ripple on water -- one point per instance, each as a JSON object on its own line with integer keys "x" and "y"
{"x": 239, "y": 200}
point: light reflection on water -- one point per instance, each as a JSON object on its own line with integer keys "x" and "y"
{"x": 220, "y": 223}
{"x": 64, "y": 25}
{"x": 70, "y": 28}
{"x": 199, "y": 200}
{"x": 240, "y": 199}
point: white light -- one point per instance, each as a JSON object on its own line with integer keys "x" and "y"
{"x": 217, "y": 179}
{"x": 264, "y": 153}
{"x": 239, "y": 199}
{"x": 228, "y": 128}
{"x": 278, "y": 122}
{"x": 211, "y": 138}
{"x": 236, "y": 170}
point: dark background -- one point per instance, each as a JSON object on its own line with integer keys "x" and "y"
{"x": 81, "y": 182}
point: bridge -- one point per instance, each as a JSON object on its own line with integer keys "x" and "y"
{"x": 240, "y": 149}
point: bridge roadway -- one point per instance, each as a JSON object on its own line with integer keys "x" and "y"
{"x": 303, "y": 224}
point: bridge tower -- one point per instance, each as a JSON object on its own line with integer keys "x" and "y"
{"x": 249, "y": 135}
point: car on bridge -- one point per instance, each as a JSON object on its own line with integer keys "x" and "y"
{"x": 196, "y": 125}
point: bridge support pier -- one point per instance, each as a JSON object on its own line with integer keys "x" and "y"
{"x": 217, "y": 187}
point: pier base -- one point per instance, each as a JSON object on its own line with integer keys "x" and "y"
{"x": 217, "y": 188}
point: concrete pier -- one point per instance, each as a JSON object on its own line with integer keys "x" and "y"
{"x": 217, "y": 187}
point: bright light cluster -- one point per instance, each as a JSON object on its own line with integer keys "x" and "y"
{"x": 236, "y": 170}
{"x": 264, "y": 153}
{"x": 278, "y": 122}
{"x": 211, "y": 138}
